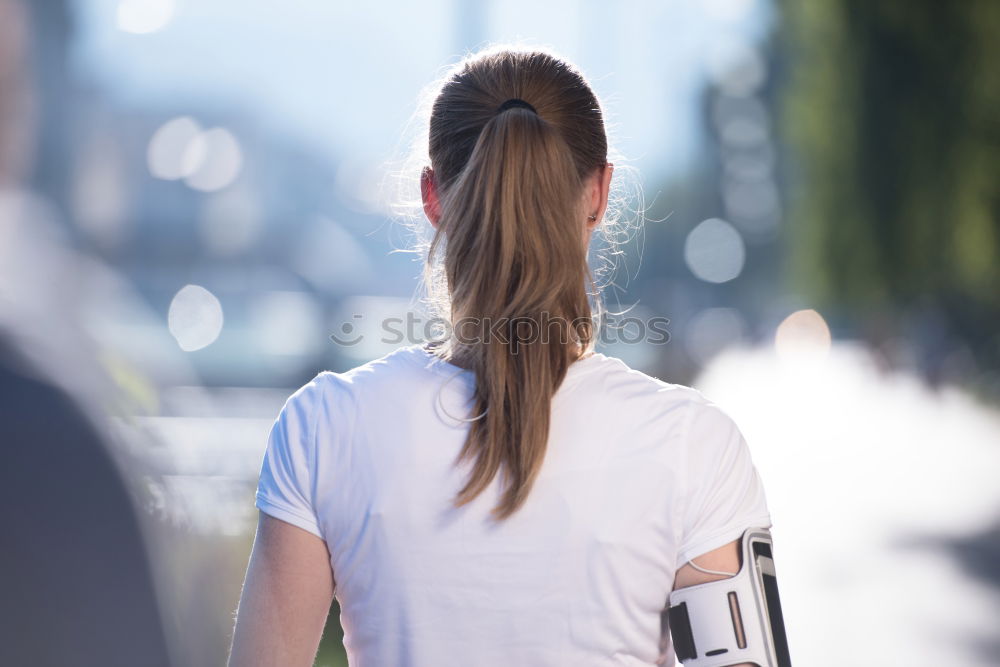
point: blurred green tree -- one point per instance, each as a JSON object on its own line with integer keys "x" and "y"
{"x": 891, "y": 111}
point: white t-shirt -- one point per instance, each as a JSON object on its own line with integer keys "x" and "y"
{"x": 639, "y": 477}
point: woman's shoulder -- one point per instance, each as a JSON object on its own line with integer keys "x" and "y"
{"x": 649, "y": 402}
{"x": 334, "y": 396}
{"x": 619, "y": 378}
{"x": 388, "y": 370}
{"x": 402, "y": 362}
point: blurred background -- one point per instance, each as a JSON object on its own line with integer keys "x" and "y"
{"x": 193, "y": 199}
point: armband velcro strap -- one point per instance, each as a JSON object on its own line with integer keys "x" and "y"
{"x": 680, "y": 630}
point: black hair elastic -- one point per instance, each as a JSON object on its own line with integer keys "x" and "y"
{"x": 515, "y": 102}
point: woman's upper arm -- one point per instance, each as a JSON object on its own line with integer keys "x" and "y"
{"x": 724, "y": 559}
{"x": 286, "y": 597}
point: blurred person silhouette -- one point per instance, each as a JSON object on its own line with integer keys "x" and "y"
{"x": 76, "y": 585}
{"x": 506, "y": 495}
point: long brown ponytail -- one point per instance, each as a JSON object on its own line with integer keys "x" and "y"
{"x": 510, "y": 249}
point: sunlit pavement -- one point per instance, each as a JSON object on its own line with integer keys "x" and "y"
{"x": 872, "y": 479}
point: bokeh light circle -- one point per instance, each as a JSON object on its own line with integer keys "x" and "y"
{"x": 714, "y": 251}
{"x": 194, "y": 318}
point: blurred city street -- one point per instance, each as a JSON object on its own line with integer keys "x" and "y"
{"x": 204, "y": 204}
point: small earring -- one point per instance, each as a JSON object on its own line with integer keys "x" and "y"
{"x": 591, "y": 217}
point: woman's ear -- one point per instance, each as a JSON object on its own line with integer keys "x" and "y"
{"x": 428, "y": 192}
{"x": 600, "y": 188}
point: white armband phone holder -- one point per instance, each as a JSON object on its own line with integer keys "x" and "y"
{"x": 734, "y": 620}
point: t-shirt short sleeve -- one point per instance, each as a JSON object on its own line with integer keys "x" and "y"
{"x": 724, "y": 492}
{"x": 285, "y": 487}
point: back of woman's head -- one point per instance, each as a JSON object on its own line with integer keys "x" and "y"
{"x": 510, "y": 250}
